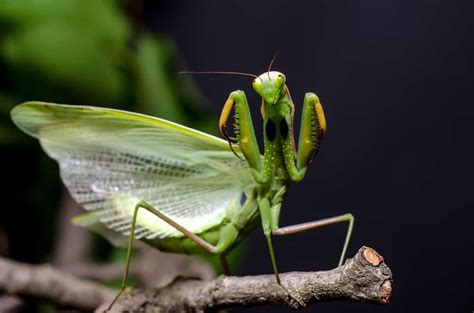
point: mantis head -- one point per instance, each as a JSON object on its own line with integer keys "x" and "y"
{"x": 270, "y": 86}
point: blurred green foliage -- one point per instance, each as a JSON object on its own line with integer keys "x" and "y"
{"x": 64, "y": 49}
{"x": 83, "y": 52}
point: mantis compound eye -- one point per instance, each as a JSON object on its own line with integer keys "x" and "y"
{"x": 280, "y": 80}
{"x": 256, "y": 84}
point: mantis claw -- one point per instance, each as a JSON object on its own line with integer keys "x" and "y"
{"x": 230, "y": 140}
{"x": 232, "y": 148}
{"x": 294, "y": 297}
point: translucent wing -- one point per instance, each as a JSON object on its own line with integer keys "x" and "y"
{"x": 111, "y": 159}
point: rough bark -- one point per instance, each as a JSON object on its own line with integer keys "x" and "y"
{"x": 363, "y": 278}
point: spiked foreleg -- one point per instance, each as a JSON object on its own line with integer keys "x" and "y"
{"x": 313, "y": 128}
{"x": 245, "y": 133}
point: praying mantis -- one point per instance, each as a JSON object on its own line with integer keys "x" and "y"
{"x": 178, "y": 189}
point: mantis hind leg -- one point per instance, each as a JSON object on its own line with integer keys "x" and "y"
{"x": 314, "y": 224}
{"x": 142, "y": 204}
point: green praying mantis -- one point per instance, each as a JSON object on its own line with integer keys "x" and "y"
{"x": 178, "y": 189}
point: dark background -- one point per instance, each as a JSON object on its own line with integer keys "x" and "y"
{"x": 395, "y": 79}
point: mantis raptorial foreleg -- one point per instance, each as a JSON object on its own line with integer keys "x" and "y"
{"x": 218, "y": 249}
{"x": 314, "y": 224}
{"x": 246, "y": 133}
{"x": 312, "y": 130}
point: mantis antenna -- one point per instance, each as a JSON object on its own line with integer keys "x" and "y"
{"x": 219, "y": 72}
{"x": 271, "y": 62}
{"x": 233, "y": 72}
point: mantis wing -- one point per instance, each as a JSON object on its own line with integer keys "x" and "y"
{"x": 111, "y": 159}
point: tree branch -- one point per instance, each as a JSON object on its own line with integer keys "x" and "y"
{"x": 44, "y": 282}
{"x": 363, "y": 278}
{"x": 144, "y": 269}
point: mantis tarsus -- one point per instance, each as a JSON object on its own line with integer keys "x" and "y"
{"x": 196, "y": 194}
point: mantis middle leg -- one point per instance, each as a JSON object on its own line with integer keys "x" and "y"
{"x": 314, "y": 224}
{"x": 265, "y": 212}
{"x": 270, "y": 228}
